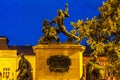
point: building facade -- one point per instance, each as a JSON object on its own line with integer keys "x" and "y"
{"x": 9, "y": 58}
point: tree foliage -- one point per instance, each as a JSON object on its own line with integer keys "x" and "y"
{"x": 100, "y": 30}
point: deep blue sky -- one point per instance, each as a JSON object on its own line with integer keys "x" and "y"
{"x": 21, "y": 20}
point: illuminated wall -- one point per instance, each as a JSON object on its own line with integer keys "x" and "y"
{"x": 9, "y": 64}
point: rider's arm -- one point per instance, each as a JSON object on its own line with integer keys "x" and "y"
{"x": 53, "y": 21}
{"x": 66, "y": 10}
{"x": 18, "y": 67}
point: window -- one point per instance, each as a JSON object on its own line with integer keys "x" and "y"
{"x": 6, "y": 72}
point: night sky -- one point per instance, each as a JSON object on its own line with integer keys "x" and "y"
{"x": 21, "y": 20}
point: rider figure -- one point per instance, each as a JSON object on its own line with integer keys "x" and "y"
{"x": 24, "y": 67}
{"x": 59, "y": 20}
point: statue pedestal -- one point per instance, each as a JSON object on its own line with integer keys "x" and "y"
{"x": 72, "y": 51}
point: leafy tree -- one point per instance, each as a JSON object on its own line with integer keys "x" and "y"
{"x": 103, "y": 33}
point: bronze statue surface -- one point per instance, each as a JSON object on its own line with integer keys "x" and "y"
{"x": 50, "y": 32}
{"x": 24, "y": 69}
{"x": 94, "y": 70}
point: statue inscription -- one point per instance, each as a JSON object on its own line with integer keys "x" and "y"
{"x": 59, "y": 63}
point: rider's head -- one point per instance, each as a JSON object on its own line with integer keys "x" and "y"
{"x": 59, "y": 12}
{"x": 22, "y": 55}
{"x": 94, "y": 56}
{"x": 44, "y": 22}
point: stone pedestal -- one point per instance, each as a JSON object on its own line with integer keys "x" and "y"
{"x": 73, "y": 51}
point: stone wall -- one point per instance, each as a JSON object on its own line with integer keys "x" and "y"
{"x": 73, "y": 51}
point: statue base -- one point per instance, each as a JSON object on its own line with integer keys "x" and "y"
{"x": 59, "y": 61}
